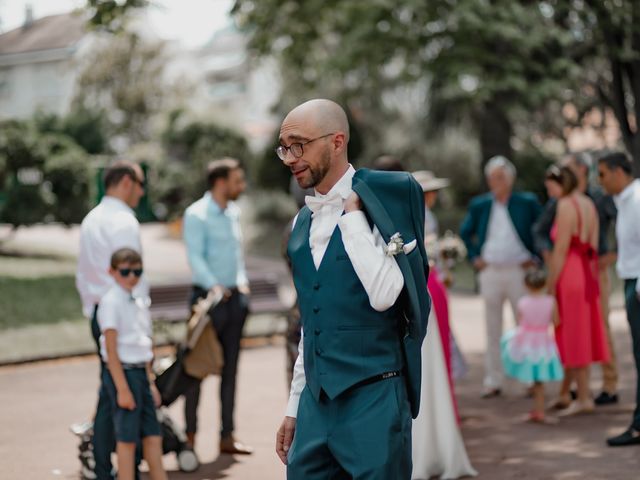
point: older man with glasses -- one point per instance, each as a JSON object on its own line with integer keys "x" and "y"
{"x": 498, "y": 234}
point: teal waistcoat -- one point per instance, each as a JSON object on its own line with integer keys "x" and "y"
{"x": 345, "y": 339}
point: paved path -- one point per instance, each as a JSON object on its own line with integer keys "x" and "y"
{"x": 502, "y": 446}
{"x": 41, "y": 400}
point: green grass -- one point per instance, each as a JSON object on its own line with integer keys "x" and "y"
{"x": 33, "y": 265}
{"x": 29, "y": 301}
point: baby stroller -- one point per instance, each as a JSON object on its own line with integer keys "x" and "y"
{"x": 200, "y": 355}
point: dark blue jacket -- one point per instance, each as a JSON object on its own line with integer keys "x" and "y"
{"x": 524, "y": 210}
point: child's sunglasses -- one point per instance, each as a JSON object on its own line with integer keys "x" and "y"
{"x": 125, "y": 272}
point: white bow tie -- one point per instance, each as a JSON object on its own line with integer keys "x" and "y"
{"x": 333, "y": 200}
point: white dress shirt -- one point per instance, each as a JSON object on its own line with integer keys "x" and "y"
{"x": 503, "y": 245}
{"x": 111, "y": 225}
{"x": 628, "y": 232}
{"x": 380, "y": 275}
{"x": 129, "y": 316}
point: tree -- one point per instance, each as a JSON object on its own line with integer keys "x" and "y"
{"x": 23, "y": 158}
{"x": 125, "y": 78}
{"x": 112, "y": 15}
{"x": 45, "y": 176}
{"x": 67, "y": 176}
{"x": 483, "y": 61}
{"x": 178, "y": 175}
{"x": 606, "y": 37}
{"x": 89, "y": 129}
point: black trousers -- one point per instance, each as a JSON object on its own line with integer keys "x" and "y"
{"x": 104, "y": 437}
{"x": 228, "y": 319}
{"x": 632, "y": 305}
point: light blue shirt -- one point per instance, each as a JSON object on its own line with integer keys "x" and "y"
{"x": 214, "y": 244}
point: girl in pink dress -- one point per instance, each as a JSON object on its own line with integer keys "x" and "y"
{"x": 573, "y": 279}
{"x": 529, "y": 352}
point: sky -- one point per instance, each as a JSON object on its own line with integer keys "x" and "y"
{"x": 191, "y": 22}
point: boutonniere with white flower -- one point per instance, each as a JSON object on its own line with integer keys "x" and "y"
{"x": 394, "y": 247}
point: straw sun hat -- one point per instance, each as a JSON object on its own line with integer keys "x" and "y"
{"x": 429, "y": 182}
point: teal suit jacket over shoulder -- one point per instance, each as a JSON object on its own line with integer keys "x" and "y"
{"x": 524, "y": 209}
{"x": 394, "y": 202}
{"x": 345, "y": 339}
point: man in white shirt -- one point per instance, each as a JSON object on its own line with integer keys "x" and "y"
{"x": 497, "y": 232}
{"x": 616, "y": 176}
{"x": 111, "y": 225}
{"x": 363, "y": 307}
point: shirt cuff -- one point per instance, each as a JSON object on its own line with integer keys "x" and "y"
{"x": 292, "y": 406}
{"x": 353, "y": 223}
{"x": 206, "y": 281}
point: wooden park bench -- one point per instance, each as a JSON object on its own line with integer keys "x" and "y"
{"x": 170, "y": 302}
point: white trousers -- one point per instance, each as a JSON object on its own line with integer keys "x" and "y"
{"x": 497, "y": 284}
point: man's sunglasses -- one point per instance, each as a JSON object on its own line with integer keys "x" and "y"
{"x": 142, "y": 183}
{"x": 125, "y": 272}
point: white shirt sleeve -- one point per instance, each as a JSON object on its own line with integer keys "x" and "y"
{"x": 82, "y": 283}
{"x": 380, "y": 275}
{"x": 107, "y": 314}
{"x": 298, "y": 382}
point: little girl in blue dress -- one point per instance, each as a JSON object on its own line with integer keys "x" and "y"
{"x": 529, "y": 352}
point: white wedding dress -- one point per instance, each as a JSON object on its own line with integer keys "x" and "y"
{"x": 438, "y": 449}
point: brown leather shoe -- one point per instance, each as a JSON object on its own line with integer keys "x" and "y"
{"x": 232, "y": 446}
{"x": 191, "y": 440}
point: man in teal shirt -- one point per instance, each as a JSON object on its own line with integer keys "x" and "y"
{"x": 214, "y": 248}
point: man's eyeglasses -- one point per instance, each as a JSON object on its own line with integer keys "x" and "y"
{"x": 296, "y": 148}
{"x": 125, "y": 272}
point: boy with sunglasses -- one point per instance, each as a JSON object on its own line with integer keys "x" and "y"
{"x": 126, "y": 348}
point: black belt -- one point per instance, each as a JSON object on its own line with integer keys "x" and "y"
{"x": 231, "y": 289}
{"x": 374, "y": 379}
{"x": 131, "y": 366}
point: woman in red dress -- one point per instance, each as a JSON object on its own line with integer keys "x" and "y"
{"x": 573, "y": 278}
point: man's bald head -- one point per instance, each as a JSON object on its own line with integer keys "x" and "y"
{"x": 324, "y": 115}
{"x": 319, "y": 130}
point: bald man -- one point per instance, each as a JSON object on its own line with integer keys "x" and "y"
{"x": 360, "y": 269}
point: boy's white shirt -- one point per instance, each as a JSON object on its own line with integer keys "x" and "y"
{"x": 129, "y": 316}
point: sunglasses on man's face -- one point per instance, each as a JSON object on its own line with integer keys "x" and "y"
{"x": 142, "y": 183}
{"x": 125, "y": 272}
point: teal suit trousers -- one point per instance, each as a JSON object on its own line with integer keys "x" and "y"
{"x": 362, "y": 434}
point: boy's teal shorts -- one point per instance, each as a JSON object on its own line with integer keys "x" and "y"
{"x": 132, "y": 425}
